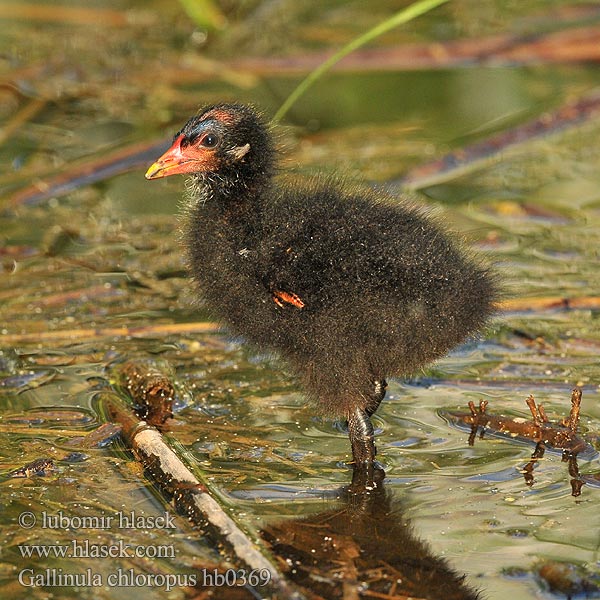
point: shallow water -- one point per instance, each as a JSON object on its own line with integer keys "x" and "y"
{"x": 107, "y": 256}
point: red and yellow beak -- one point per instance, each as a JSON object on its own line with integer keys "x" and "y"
{"x": 177, "y": 161}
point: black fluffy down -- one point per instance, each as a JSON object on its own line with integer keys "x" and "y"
{"x": 385, "y": 289}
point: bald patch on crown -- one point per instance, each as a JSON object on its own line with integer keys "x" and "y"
{"x": 219, "y": 114}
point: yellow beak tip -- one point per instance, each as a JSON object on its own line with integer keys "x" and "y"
{"x": 153, "y": 171}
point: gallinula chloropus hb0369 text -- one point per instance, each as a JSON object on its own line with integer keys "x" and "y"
{"x": 349, "y": 287}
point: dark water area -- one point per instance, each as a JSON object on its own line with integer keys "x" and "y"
{"x": 88, "y": 279}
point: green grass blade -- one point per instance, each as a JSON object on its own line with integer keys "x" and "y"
{"x": 205, "y": 13}
{"x": 401, "y": 17}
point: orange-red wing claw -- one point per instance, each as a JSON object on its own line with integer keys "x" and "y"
{"x": 281, "y": 298}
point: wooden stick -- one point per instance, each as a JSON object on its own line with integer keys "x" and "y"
{"x": 191, "y": 496}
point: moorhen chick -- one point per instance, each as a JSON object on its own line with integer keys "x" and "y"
{"x": 351, "y": 287}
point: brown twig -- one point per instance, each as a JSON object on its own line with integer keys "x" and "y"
{"x": 63, "y": 14}
{"x": 537, "y": 411}
{"x": 549, "y": 303}
{"x": 77, "y": 335}
{"x": 572, "y": 422}
{"x": 469, "y": 157}
{"x": 126, "y": 159}
{"x": 561, "y": 435}
{"x": 32, "y": 108}
{"x": 572, "y": 44}
{"x": 149, "y": 387}
{"x": 81, "y": 295}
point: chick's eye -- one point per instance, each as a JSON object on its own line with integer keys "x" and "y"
{"x": 210, "y": 140}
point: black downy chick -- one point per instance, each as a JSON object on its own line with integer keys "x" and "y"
{"x": 349, "y": 287}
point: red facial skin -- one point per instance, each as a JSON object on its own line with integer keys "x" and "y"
{"x": 193, "y": 158}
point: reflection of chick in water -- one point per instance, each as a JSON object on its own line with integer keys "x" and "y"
{"x": 337, "y": 554}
